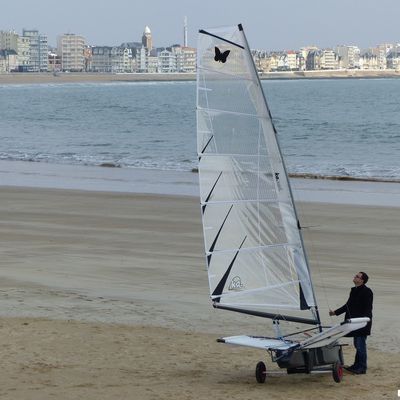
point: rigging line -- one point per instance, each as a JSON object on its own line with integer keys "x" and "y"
{"x": 312, "y": 246}
{"x": 220, "y": 38}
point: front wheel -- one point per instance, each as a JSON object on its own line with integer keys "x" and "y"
{"x": 261, "y": 372}
{"x": 337, "y": 372}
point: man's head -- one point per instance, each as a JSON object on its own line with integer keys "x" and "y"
{"x": 360, "y": 278}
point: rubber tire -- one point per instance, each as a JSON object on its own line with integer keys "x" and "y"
{"x": 261, "y": 372}
{"x": 337, "y": 372}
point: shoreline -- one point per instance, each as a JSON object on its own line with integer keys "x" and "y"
{"x": 181, "y": 183}
{"x": 48, "y": 77}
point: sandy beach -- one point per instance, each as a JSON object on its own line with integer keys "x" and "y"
{"x": 104, "y": 295}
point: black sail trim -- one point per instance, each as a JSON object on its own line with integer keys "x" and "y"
{"x": 220, "y": 287}
{"x": 273, "y": 316}
{"x": 303, "y": 301}
{"x": 220, "y": 38}
{"x": 216, "y": 237}
{"x": 203, "y": 208}
{"x": 204, "y": 149}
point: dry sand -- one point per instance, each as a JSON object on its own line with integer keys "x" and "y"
{"x": 104, "y": 296}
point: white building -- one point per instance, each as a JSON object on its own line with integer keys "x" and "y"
{"x": 142, "y": 60}
{"x": 24, "y": 53}
{"x": 381, "y": 51}
{"x": 329, "y": 59}
{"x": 9, "y": 40}
{"x": 348, "y": 56}
{"x": 166, "y": 61}
{"x": 185, "y": 59}
{"x": 368, "y": 60}
{"x": 111, "y": 59}
{"x": 38, "y": 50}
{"x": 71, "y": 49}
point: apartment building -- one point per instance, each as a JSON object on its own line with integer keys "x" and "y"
{"x": 24, "y": 53}
{"x": 111, "y": 59}
{"x": 166, "y": 61}
{"x": 8, "y": 61}
{"x": 8, "y": 51}
{"x": 71, "y": 48}
{"x": 38, "y": 50}
{"x": 9, "y": 40}
{"x": 393, "y": 58}
{"x": 329, "y": 59}
{"x": 185, "y": 59}
{"x": 368, "y": 60}
{"x": 381, "y": 51}
{"x": 348, "y": 56}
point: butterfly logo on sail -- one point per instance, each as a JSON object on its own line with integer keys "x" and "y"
{"x": 221, "y": 57}
{"x": 236, "y": 284}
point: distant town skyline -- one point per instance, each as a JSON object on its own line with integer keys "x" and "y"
{"x": 268, "y": 25}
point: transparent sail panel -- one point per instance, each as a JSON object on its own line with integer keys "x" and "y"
{"x": 254, "y": 250}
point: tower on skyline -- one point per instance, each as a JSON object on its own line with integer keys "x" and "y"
{"x": 185, "y": 42}
{"x": 147, "y": 40}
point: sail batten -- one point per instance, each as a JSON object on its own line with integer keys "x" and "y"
{"x": 266, "y": 247}
{"x": 219, "y": 111}
{"x": 256, "y": 261}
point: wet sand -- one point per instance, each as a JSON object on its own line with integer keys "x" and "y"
{"x": 104, "y": 295}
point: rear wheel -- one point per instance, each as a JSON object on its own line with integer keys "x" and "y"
{"x": 261, "y": 372}
{"x": 337, "y": 372}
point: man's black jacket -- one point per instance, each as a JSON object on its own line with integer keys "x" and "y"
{"x": 359, "y": 304}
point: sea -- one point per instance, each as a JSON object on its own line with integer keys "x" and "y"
{"x": 346, "y": 128}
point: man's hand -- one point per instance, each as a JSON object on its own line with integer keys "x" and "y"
{"x": 331, "y": 313}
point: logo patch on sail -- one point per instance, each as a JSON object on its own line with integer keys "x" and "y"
{"x": 221, "y": 56}
{"x": 236, "y": 284}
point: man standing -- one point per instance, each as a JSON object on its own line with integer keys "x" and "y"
{"x": 359, "y": 304}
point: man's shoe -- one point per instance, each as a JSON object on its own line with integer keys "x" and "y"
{"x": 359, "y": 371}
{"x": 355, "y": 371}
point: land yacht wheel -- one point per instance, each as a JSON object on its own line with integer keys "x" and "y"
{"x": 337, "y": 372}
{"x": 261, "y": 372}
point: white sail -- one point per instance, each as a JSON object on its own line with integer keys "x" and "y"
{"x": 255, "y": 257}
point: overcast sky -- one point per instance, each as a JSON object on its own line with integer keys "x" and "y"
{"x": 269, "y": 24}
